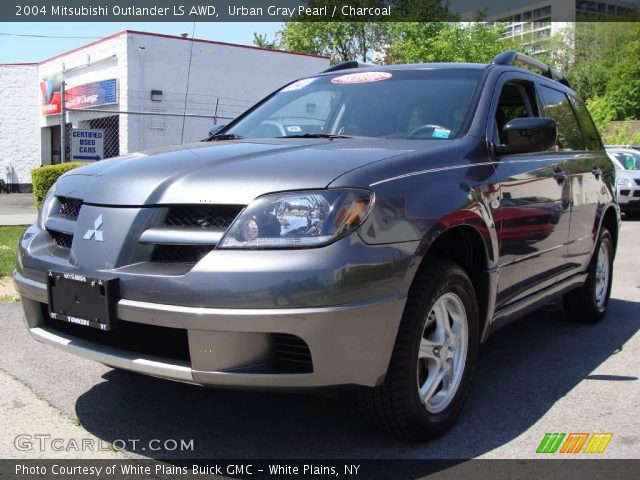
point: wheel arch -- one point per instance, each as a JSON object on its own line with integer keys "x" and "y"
{"x": 611, "y": 220}
{"x": 466, "y": 246}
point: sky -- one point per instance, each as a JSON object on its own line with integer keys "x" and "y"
{"x": 17, "y": 49}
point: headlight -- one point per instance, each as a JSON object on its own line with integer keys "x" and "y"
{"x": 624, "y": 182}
{"x": 47, "y": 206}
{"x": 298, "y": 219}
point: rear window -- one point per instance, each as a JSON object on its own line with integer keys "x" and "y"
{"x": 420, "y": 104}
{"x": 557, "y": 106}
{"x": 591, "y": 135}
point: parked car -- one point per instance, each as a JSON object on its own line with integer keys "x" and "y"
{"x": 425, "y": 207}
{"x": 627, "y": 163}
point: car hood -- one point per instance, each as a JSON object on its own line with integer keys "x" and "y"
{"x": 633, "y": 174}
{"x": 229, "y": 172}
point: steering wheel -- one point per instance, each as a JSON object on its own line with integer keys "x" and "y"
{"x": 276, "y": 125}
{"x": 421, "y": 128}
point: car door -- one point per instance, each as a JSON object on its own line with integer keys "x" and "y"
{"x": 592, "y": 176}
{"x": 534, "y": 215}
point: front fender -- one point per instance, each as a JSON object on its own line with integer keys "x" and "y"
{"x": 423, "y": 205}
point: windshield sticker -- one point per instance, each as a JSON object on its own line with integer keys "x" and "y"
{"x": 294, "y": 129}
{"x": 298, "y": 85}
{"x": 440, "y": 133}
{"x": 362, "y": 77}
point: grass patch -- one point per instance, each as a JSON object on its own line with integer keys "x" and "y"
{"x": 8, "y": 247}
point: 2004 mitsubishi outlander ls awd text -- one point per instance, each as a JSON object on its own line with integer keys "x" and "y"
{"x": 368, "y": 226}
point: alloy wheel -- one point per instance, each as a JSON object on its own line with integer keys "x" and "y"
{"x": 442, "y": 353}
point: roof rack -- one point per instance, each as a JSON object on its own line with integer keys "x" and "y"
{"x": 346, "y": 65}
{"x": 510, "y": 57}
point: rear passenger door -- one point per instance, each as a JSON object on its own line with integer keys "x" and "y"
{"x": 586, "y": 165}
{"x": 589, "y": 194}
{"x": 534, "y": 214}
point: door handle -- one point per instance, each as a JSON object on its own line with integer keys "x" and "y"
{"x": 596, "y": 172}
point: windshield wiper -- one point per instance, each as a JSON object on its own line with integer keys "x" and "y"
{"x": 223, "y": 136}
{"x": 316, "y": 135}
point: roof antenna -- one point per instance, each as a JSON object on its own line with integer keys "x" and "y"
{"x": 186, "y": 94}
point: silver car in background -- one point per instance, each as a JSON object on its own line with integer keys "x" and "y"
{"x": 627, "y": 163}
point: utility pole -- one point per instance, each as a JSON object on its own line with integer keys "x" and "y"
{"x": 63, "y": 122}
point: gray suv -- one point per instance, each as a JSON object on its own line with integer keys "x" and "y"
{"x": 366, "y": 227}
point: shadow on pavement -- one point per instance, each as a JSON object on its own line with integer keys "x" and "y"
{"x": 523, "y": 370}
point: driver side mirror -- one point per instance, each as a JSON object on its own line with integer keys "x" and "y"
{"x": 528, "y": 134}
{"x": 215, "y": 129}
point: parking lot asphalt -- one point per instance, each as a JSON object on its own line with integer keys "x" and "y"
{"x": 17, "y": 209}
{"x": 540, "y": 374}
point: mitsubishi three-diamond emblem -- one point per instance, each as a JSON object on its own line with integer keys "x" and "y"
{"x": 96, "y": 232}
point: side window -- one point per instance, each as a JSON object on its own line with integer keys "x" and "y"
{"x": 557, "y": 106}
{"x": 591, "y": 135}
{"x": 517, "y": 100}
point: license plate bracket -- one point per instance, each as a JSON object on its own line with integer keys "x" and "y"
{"x": 82, "y": 300}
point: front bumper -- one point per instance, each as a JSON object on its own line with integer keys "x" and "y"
{"x": 349, "y": 344}
{"x": 628, "y": 197}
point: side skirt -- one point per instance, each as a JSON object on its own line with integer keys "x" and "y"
{"x": 507, "y": 314}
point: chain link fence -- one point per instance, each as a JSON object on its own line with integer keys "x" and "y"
{"x": 128, "y": 131}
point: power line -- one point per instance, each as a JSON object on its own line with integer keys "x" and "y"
{"x": 45, "y": 36}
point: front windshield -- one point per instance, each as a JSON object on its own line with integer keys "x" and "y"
{"x": 404, "y": 104}
{"x": 628, "y": 160}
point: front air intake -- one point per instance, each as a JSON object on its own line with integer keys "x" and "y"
{"x": 291, "y": 354}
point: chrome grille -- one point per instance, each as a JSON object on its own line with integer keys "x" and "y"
{"x": 180, "y": 240}
{"x": 203, "y": 216}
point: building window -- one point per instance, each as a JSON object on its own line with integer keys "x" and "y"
{"x": 541, "y": 12}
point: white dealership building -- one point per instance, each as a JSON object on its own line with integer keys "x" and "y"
{"x": 131, "y": 86}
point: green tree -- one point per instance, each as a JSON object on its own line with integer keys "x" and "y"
{"x": 475, "y": 42}
{"x": 355, "y": 40}
{"x": 341, "y": 41}
{"x": 586, "y": 52}
{"x": 620, "y": 134}
{"x": 261, "y": 40}
{"x": 601, "y": 112}
{"x": 623, "y": 91}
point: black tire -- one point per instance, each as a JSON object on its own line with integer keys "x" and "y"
{"x": 396, "y": 405}
{"x": 582, "y": 304}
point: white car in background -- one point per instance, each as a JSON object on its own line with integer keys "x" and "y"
{"x": 627, "y": 163}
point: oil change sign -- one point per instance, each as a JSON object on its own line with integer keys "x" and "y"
{"x": 87, "y": 145}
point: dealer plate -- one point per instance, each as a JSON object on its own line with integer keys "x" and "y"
{"x": 81, "y": 300}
